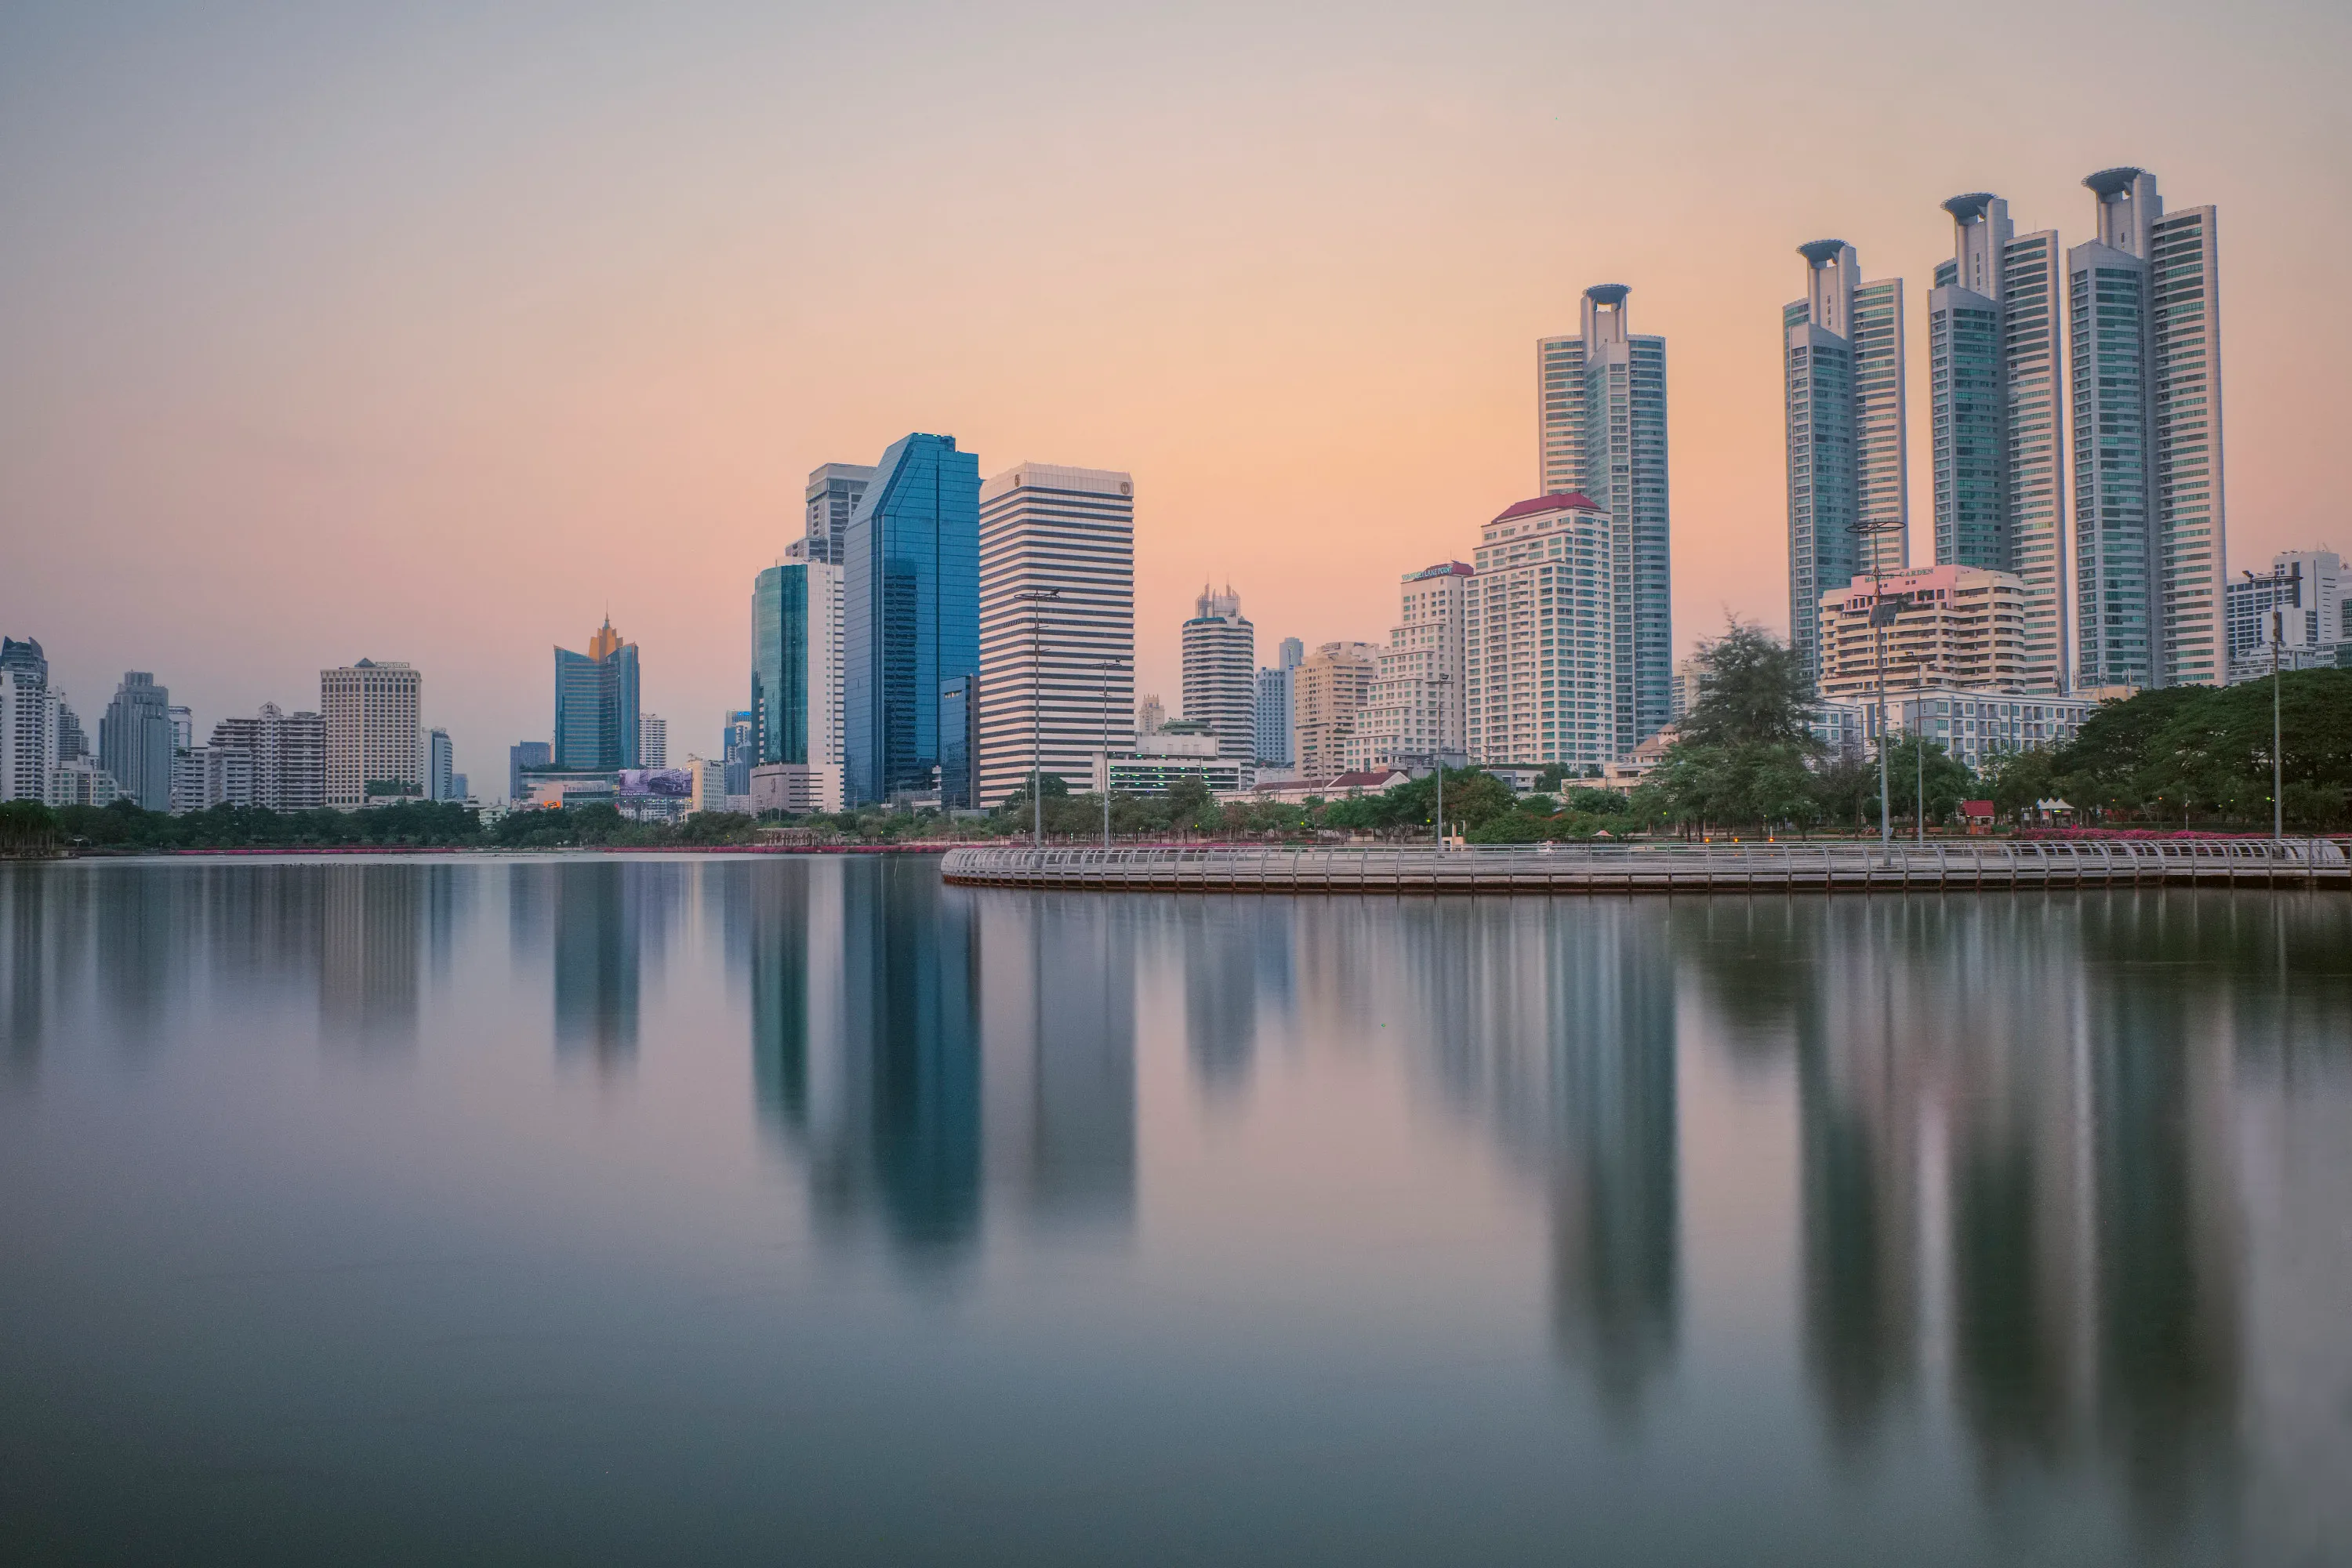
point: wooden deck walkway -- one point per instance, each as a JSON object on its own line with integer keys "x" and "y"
{"x": 1816, "y": 867}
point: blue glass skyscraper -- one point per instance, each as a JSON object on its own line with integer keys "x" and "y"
{"x": 910, "y": 612}
{"x": 597, "y": 704}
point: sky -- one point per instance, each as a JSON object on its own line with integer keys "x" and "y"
{"x": 436, "y": 332}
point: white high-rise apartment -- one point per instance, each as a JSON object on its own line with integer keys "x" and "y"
{"x": 2150, "y": 530}
{"x": 372, "y": 734}
{"x": 1220, "y": 653}
{"x": 288, "y": 753}
{"x": 832, "y": 492}
{"x": 1540, "y": 627}
{"x": 1995, "y": 414}
{"x": 1842, "y": 364}
{"x": 1601, "y": 417}
{"x": 26, "y": 732}
{"x": 1056, "y": 674}
{"x": 653, "y": 741}
{"x": 1328, "y": 694}
{"x": 1414, "y": 714}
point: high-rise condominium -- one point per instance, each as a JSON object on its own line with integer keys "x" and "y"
{"x": 1271, "y": 711}
{"x": 1220, "y": 653}
{"x": 288, "y": 753}
{"x": 1602, "y": 400}
{"x": 1539, "y": 642}
{"x": 597, "y": 704}
{"x": 796, "y": 676}
{"x": 737, "y": 753}
{"x": 1995, "y": 417}
{"x": 1056, "y": 623}
{"x": 653, "y": 741}
{"x": 910, "y": 612}
{"x": 372, "y": 749}
{"x": 1333, "y": 683}
{"x": 28, "y": 729}
{"x": 1414, "y": 714}
{"x": 134, "y": 741}
{"x": 2149, "y": 528}
{"x": 440, "y": 766}
{"x": 2298, "y": 610}
{"x": 832, "y": 492}
{"x": 1844, "y": 371}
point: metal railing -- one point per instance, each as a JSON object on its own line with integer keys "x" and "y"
{"x": 1819, "y": 866}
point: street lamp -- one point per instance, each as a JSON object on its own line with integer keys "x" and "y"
{"x": 1883, "y": 613}
{"x": 2278, "y": 580}
{"x": 1441, "y": 680}
{"x": 1035, "y": 599}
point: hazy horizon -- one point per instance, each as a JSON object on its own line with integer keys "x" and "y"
{"x": 430, "y": 335}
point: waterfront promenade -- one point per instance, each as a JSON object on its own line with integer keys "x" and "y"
{"x": 1816, "y": 865}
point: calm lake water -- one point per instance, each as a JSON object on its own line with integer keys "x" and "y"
{"x": 600, "y": 1208}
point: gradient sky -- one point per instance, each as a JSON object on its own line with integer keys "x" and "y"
{"x": 427, "y": 334}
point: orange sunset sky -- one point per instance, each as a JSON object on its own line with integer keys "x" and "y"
{"x": 427, "y": 332}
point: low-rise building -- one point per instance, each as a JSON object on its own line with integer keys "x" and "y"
{"x": 1975, "y": 727}
{"x": 795, "y": 789}
{"x": 80, "y": 782}
{"x": 1181, "y": 749}
{"x": 1334, "y": 787}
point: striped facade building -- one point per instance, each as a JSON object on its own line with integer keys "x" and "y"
{"x": 1057, "y": 674}
{"x": 1539, "y": 640}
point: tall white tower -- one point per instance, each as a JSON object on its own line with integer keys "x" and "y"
{"x": 1220, "y": 656}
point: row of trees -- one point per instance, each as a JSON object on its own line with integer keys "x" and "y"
{"x": 27, "y": 827}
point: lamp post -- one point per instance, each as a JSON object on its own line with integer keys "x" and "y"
{"x": 1035, "y": 599}
{"x": 1883, "y": 613}
{"x": 1919, "y": 754}
{"x": 1441, "y": 680}
{"x": 1105, "y": 667}
{"x": 2278, "y": 581}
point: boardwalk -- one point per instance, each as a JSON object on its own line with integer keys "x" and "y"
{"x": 1818, "y": 866}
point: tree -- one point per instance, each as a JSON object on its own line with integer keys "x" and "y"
{"x": 1912, "y": 762}
{"x": 1753, "y": 692}
{"x": 27, "y": 827}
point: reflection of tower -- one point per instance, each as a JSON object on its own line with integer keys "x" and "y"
{"x": 1615, "y": 1224}
{"x": 596, "y": 956}
{"x": 1058, "y": 999}
{"x": 1221, "y": 961}
{"x": 1858, "y": 1129}
{"x": 370, "y": 921}
{"x": 2166, "y": 1320}
{"x": 910, "y": 987}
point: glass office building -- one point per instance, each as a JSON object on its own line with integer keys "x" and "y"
{"x": 597, "y": 704}
{"x": 795, "y": 664}
{"x": 910, "y": 612}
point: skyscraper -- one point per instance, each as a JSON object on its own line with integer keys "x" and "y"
{"x": 910, "y": 612}
{"x": 653, "y": 741}
{"x": 1601, "y": 417}
{"x": 832, "y": 492}
{"x": 288, "y": 753}
{"x": 1070, "y": 534}
{"x": 1847, "y": 465}
{"x": 134, "y": 741}
{"x": 28, "y": 729}
{"x": 1412, "y": 715}
{"x": 1220, "y": 652}
{"x": 1271, "y": 712}
{"x": 737, "y": 753}
{"x": 796, "y": 675}
{"x": 372, "y": 750}
{"x": 1333, "y": 683}
{"x": 440, "y": 782}
{"x": 597, "y": 704}
{"x": 1995, "y": 420}
{"x": 2150, "y": 530}
{"x": 1539, "y": 636}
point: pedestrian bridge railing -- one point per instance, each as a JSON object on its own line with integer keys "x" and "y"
{"x": 1789, "y": 866}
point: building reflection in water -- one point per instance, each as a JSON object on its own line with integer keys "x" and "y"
{"x": 1556, "y": 1021}
{"x": 917, "y": 1048}
{"x": 1219, "y": 941}
{"x": 610, "y": 921}
{"x": 371, "y": 934}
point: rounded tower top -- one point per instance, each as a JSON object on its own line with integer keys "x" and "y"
{"x": 1820, "y": 252}
{"x": 1608, "y": 293}
{"x": 2112, "y": 181}
{"x": 1968, "y": 208}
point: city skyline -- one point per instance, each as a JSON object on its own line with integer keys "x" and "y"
{"x": 560, "y": 438}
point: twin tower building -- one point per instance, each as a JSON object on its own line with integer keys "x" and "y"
{"x": 2084, "y": 382}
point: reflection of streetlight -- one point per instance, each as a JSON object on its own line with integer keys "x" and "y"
{"x": 1107, "y": 666}
{"x": 2277, "y": 580}
{"x": 1034, "y": 598}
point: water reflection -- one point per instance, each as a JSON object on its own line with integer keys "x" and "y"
{"x": 2014, "y": 1181}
